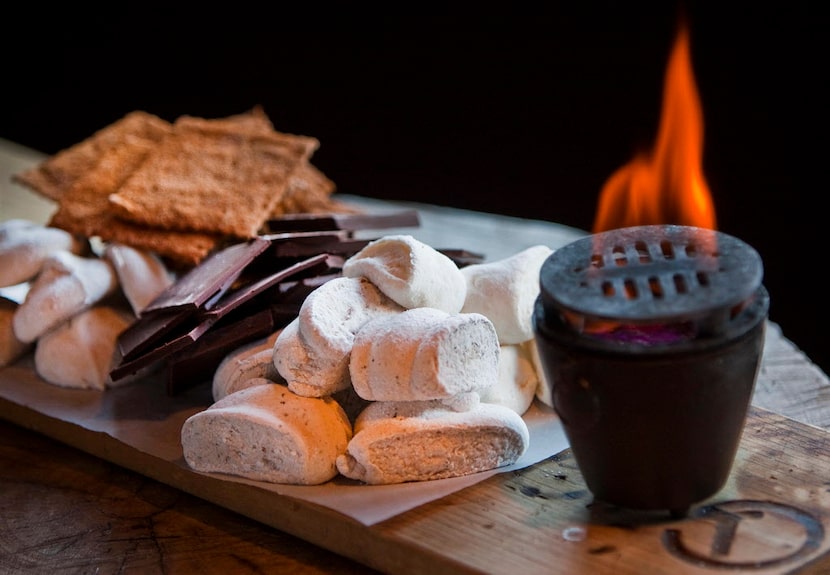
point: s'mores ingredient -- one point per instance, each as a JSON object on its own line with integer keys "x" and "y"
{"x": 424, "y": 353}
{"x": 24, "y": 245}
{"x": 239, "y": 169}
{"x": 79, "y": 352}
{"x": 401, "y": 441}
{"x": 410, "y": 272}
{"x": 67, "y": 284}
{"x": 267, "y": 433}
{"x": 141, "y": 274}
{"x": 54, "y": 176}
{"x": 517, "y": 383}
{"x": 167, "y": 181}
{"x": 306, "y": 372}
{"x": 11, "y": 348}
{"x": 332, "y": 314}
{"x": 240, "y": 366}
{"x": 505, "y": 291}
{"x": 313, "y": 354}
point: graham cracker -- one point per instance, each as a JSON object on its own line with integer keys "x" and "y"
{"x": 52, "y": 177}
{"x": 213, "y": 176}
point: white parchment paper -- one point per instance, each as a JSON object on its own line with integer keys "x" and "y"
{"x": 143, "y": 416}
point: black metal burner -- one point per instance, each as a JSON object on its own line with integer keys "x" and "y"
{"x": 651, "y": 338}
{"x": 696, "y": 280}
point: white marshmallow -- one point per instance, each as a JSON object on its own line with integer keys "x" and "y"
{"x": 517, "y": 383}
{"x": 410, "y": 272}
{"x": 245, "y": 366}
{"x": 400, "y": 441}
{"x": 142, "y": 274}
{"x": 331, "y": 314}
{"x": 80, "y": 352}
{"x": 424, "y": 353}
{"x": 66, "y": 285}
{"x": 268, "y": 433}
{"x": 24, "y": 246}
{"x": 543, "y": 390}
{"x": 307, "y": 373}
{"x": 312, "y": 353}
{"x": 505, "y": 291}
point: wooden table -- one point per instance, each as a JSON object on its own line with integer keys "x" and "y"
{"x": 64, "y": 510}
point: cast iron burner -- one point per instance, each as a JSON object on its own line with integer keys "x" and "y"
{"x": 651, "y": 338}
{"x": 693, "y": 281}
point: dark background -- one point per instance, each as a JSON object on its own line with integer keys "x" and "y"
{"x": 521, "y": 111}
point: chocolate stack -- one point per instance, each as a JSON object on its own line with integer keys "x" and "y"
{"x": 246, "y": 292}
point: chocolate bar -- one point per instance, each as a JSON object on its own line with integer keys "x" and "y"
{"x": 350, "y": 222}
{"x": 316, "y": 264}
{"x": 210, "y": 279}
{"x": 199, "y": 361}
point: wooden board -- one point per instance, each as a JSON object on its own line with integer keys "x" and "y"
{"x": 773, "y": 516}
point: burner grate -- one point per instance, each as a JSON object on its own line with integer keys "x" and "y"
{"x": 652, "y": 274}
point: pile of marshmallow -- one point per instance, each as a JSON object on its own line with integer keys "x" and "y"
{"x": 404, "y": 368}
{"x": 69, "y": 301}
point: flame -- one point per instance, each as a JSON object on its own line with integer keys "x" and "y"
{"x": 665, "y": 185}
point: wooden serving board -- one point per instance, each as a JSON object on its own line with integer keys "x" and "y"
{"x": 773, "y": 516}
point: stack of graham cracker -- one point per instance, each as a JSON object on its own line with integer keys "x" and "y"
{"x": 182, "y": 189}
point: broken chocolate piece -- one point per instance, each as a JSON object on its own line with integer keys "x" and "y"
{"x": 210, "y": 279}
{"x": 291, "y": 248}
{"x": 198, "y": 362}
{"x": 164, "y": 351}
{"x": 246, "y": 293}
{"x": 145, "y": 332}
{"x": 351, "y": 222}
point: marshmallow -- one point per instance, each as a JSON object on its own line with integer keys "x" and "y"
{"x": 142, "y": 274}
{"x": 24, "y": 246}
{"x": 307, "y": 373}
{"x": 314, "y": 360}
{"x": 505, "y": 291}
{"x": 66, "y": 285}
{"x": 80, "y": 352}
{"x": 410, "y": 272}
{"x": 330, "y": 315}
{"x": 268, "y": 433}
{"x": 245, "y": 366}
{"x": 424, "y": 353}
{"x": 400, "y": 441}
{"x": 517, "y": 383}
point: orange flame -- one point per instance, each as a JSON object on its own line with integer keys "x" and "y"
{"x": 665, "y": 185}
